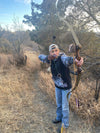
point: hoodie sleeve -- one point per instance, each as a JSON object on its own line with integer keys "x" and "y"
{"x": 67, "y": 60}
{"x": 43, "y": 58}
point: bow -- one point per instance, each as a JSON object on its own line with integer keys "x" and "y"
{"x": 77, "y": 49}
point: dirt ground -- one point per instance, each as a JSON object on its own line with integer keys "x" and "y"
{"x": 24, "y": 108}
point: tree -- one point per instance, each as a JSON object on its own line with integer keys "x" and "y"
{"x": 85, "y": 13}
{"x": 44, "y": 18}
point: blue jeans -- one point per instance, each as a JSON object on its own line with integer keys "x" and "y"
{"x": 62, "y": 111}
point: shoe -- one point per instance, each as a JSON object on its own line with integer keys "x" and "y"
{"x": 56, "y": 121}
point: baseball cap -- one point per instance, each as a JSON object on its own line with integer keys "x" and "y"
{"x": 53, "y": 46}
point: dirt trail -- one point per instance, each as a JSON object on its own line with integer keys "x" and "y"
{"x": 24, "y": 108}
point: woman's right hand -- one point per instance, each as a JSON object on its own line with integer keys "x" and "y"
{"x": 50, "y": 57}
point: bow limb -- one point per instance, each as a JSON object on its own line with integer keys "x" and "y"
{"x": 76, "y": 85}
{"x": 72, "y": 31}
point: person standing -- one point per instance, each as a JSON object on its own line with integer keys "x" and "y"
{"x": 60, "y": 63}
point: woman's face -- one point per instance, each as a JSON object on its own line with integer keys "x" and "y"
{"x": 55, "y": 52}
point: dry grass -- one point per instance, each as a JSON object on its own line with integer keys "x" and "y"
{"x": 14, "y": 93}
{"x": 88, "y": 107}
{"x": 46, "y": 84}
{"x": 33, "y": 63}
{"x": 5, "y": 61}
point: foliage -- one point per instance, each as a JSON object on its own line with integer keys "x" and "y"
{"x": 45, "y": 20}
{"x": 83, "y": 15}
{"x": 86, "y": 13}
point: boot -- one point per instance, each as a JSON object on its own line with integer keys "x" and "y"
{"x": 55, "y": 121}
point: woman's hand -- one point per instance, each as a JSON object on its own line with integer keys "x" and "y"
{"x": 51, "y": 57}
{"x": 79, "y": 63}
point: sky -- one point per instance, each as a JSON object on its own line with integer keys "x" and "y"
{"x": 10, "y": 9}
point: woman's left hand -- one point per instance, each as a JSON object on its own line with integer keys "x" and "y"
{"x": 79, "y": 63}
